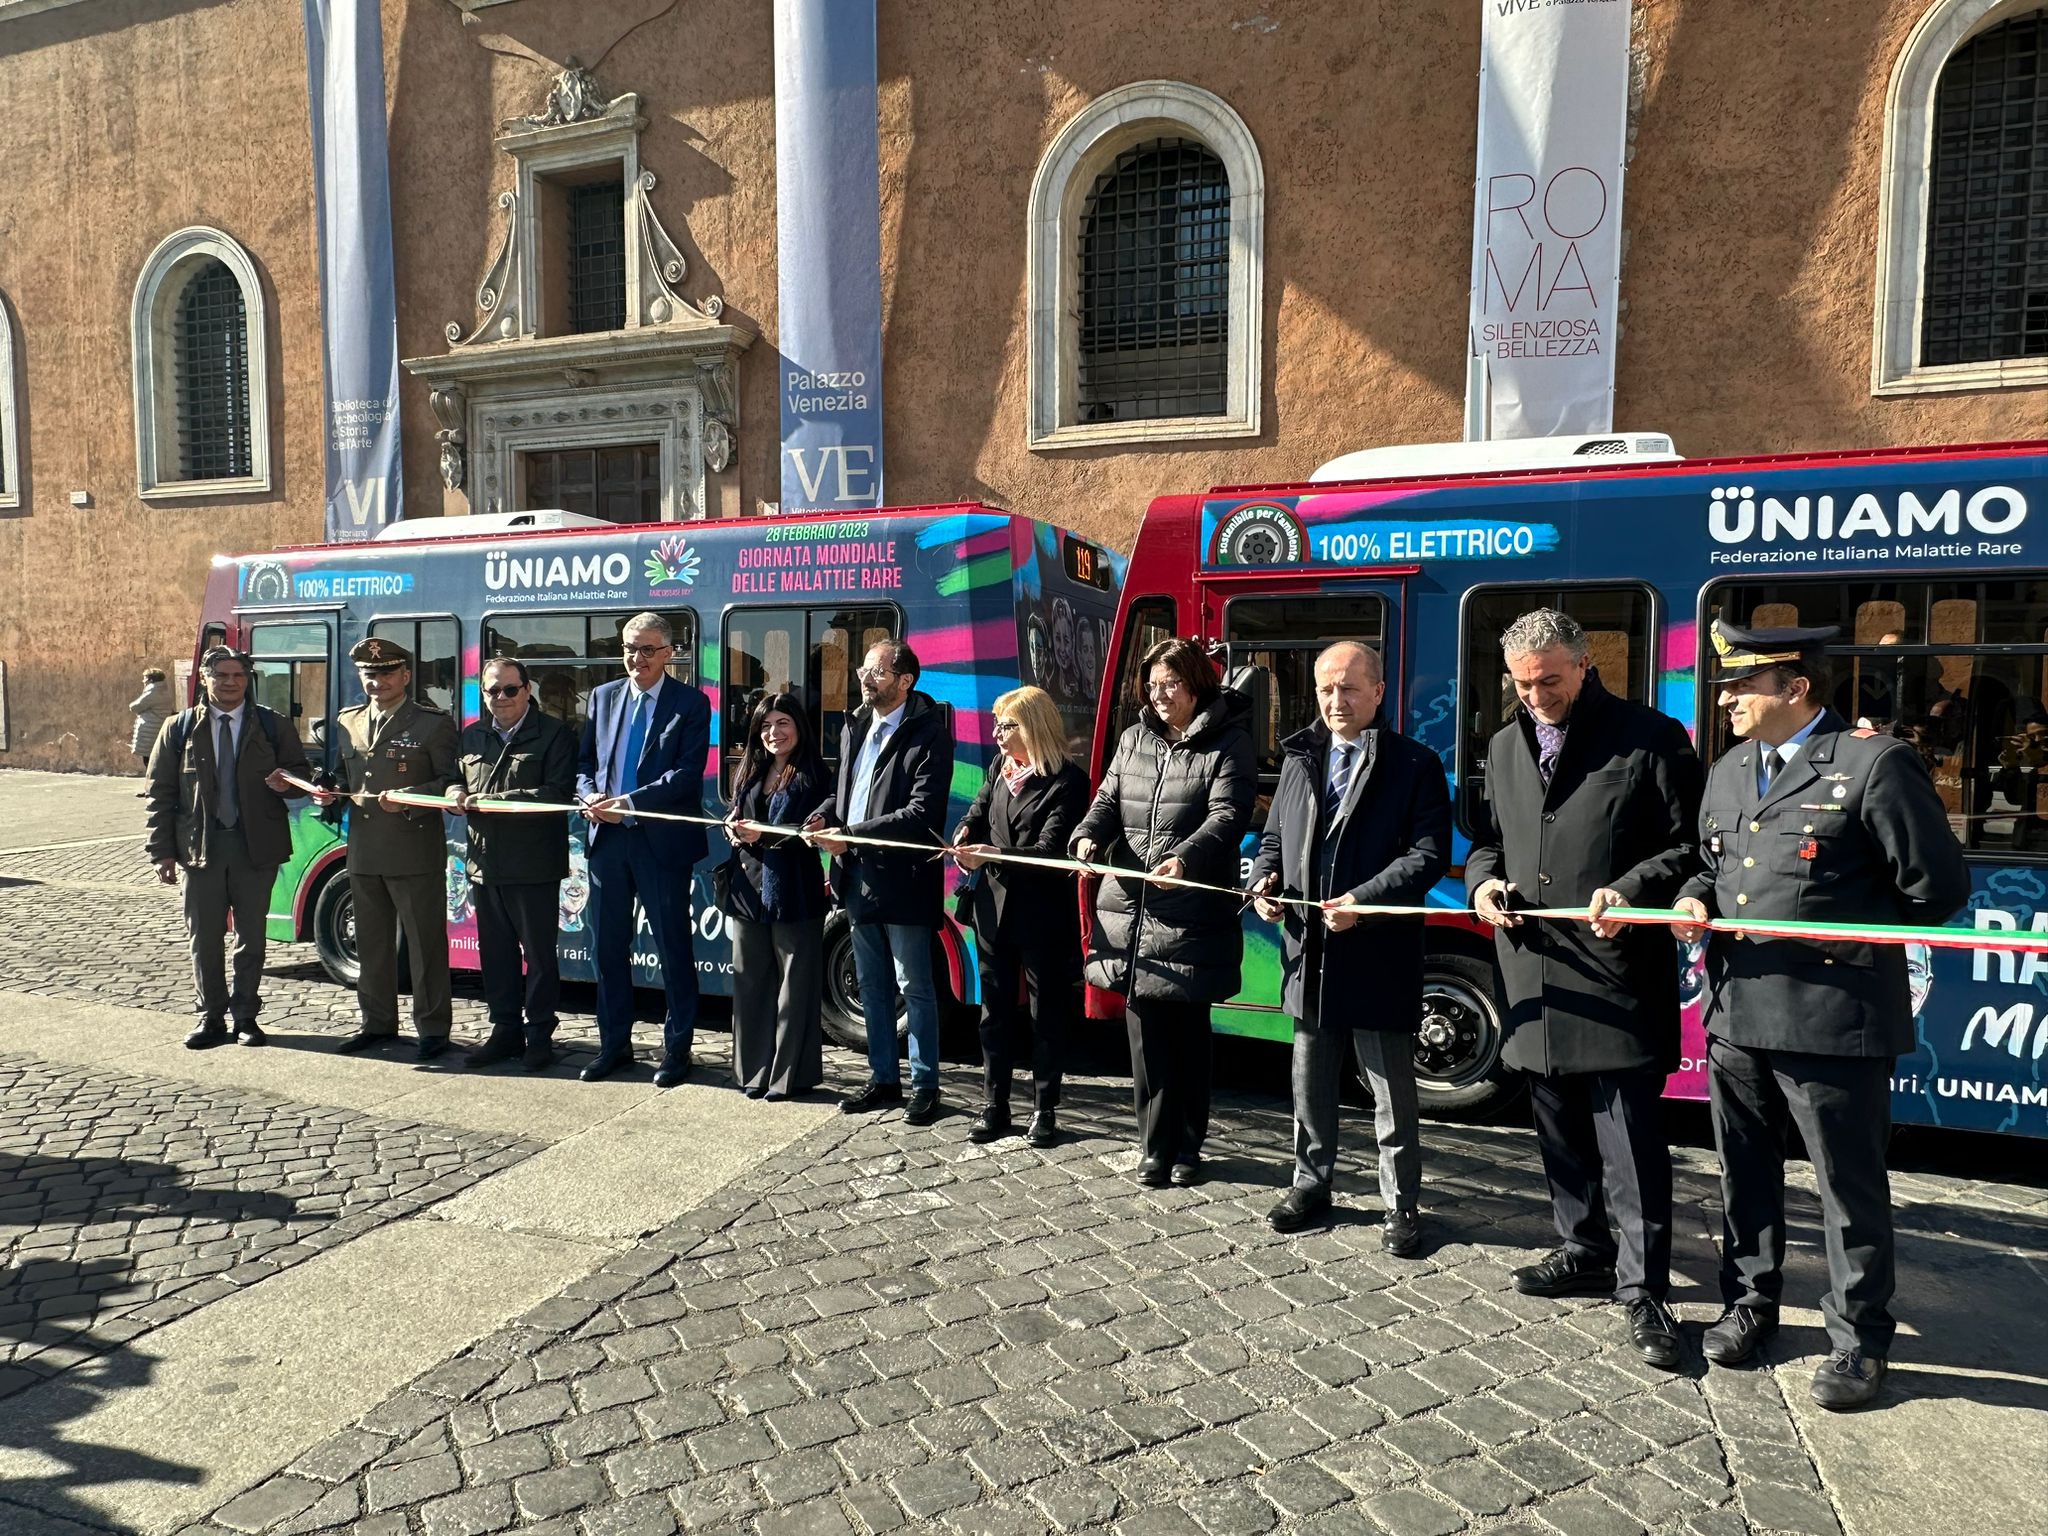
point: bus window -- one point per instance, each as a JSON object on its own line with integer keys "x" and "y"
{"x": 1617, "y": 621}
{"x": 812, "y": 652}
{"x": 569, "y": 654}
{"x": 1959, "y": 669}
{"x": 436, "y": 649}
{"x": 1283, "y": 635}
{"x": 1151, "y": 621}
{"x": 291, "y": 664}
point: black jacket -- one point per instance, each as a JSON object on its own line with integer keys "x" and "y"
{"x": 1190, "y": 799}
{"x": 1389, "y": 843}
{"x": 1619, "y": 812}
{"x": 1886, "y": 855}
{"x": 539, "y": 764}
{"x": 913, "y": 777}
{"x": 778, "y": 878}
{"x": 1030, "y": 908}
{"x": 182, "y": 786}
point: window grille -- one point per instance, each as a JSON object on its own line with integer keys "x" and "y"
{"x": 597, "y": 257}
{"x": 212, "y": 374}
{"x": 1987, "y": 236}
{"x": 1155, "y": 286}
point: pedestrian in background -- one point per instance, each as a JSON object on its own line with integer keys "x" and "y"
{"x": 774, "y": 899}
{"x": 1175, "y": 802}
{"x": 1027, "y": 921}
{"x": 217, "y": 793}
{"x": 151, "y": 708}
{"x": 517, "y": 863}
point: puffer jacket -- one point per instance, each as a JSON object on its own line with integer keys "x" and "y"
{"x": 1189, "y": 799}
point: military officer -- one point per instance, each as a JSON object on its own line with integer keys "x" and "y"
{"x": 1810, "y": 819}
{"x": 397, "y": 855}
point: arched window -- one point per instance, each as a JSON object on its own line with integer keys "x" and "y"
{"x": 201, "y": 423}
{"x": 10, "y": 431}
{"x": 1145, "y": 270}
{"x": 1963, "y": 252}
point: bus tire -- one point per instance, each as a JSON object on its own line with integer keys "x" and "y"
{"x": 844, "y": 1023}
{"x": 1458, "y": 1071}
{"x": 334, "y": 928}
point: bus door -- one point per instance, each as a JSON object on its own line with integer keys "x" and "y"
{"x": 1278, "y": 630}
{"x": 292, "y": 657}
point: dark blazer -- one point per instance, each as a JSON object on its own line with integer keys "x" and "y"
{"x": 1190, "y": 798}
{"x": 539, "y": 764}
{"x": 182, "y": 786}
{"x": 671, "y": 765}
{"x": 1037, "y": 909}
{"x": 1887, "y": 855}
{"x": 1388, "y": 844}
{"x": 913, "y": 777}
{"x": 779, "y": 879}
{"x": 1620, "y": 812}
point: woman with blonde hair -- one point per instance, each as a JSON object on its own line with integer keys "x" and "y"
{"x": 1027, "y": 921}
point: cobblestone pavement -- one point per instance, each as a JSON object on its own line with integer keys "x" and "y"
{"x": 126, "y": 1202}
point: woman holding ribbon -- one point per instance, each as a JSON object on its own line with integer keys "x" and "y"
{"x": 1175, "y": 802}
{"x": 1027, "y": 923}
{"x": 772, "y": 890}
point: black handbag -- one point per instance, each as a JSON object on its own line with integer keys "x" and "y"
{"x": 965, "y": 894}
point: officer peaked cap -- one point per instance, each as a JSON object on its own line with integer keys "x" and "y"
{"x": 1741, "y": 653}
{"x": 379, "y": 655}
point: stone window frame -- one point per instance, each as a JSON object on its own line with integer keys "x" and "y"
{"x": 157, "y": 292}
{"x": 1086, "y": 147}
{"x": 1895, "y": 367}
{"x": 10, "y": 416}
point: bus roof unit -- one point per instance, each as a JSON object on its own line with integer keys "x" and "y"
{"x": 1409, "y": 460}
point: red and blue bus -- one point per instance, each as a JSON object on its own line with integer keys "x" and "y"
{"x": 988, "y": 599}
{"x": 1932, "y": 562}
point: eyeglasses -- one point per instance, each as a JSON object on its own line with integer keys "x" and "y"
{"x": 1004, "y": 727}
{"x": 874, "y": 674}
{"x": 506, "y": 691}
{"x": 637, "y": 651}
{"x": 1171, "y": 685}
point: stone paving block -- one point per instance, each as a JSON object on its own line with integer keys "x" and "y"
{"x": 648, "y": 1515}
{"x": 1476, "y": 1487}
{"x": 1405, "y": 1512}
{"x": 820, "y": 1517}
{"x": 1427, "y": 1442}
{"x": 1301, "y": 1488}
{"x": 1216, "y": 1456}
{"x": 1775, "y": 1507}
{"x": 474, "y": 1512}
{"x": 1543, "y": 1464}
{"x": 925, "y": 1491}
{"x": 1280, "y": 1433}
{"x": 1586, "y": 1514}
{"x": 387, "y": 1488}
{"x": 270, "y": 1503}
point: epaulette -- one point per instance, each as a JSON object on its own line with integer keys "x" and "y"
{"x": 1863, "y": 733}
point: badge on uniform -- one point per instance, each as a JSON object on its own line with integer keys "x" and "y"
{"x": 1809, "y": 848}
{"x": 1714, "y": 845}
{"x": 1841, "y": 791}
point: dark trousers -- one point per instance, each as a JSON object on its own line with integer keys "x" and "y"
{"x": 1604, "y": 1154}
{"x": 1843, "y": 1108}
{"x": 1050, "y": 983}
{"x": 227, "y": 882}
{"x": 418, "y": 905}
{"x": 778, "y": 994}
{"x": 517, "y": 930}
{"x": 1388, "y": 1059}
{"x": 1170, "y": 1067}
{"x": 624, "y": 865}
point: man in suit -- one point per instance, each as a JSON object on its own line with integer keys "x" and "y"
{"x": 1589, "y": 802}
{"x": 1361, "y": 816}
{"x": 895, "y": 770}
{"x": 643, "y": 749}
{"x": 397, "y": 854}
{"x": 217, "y": 794}
{"x": 1810, "y": 820}
{"x": 517, "y": 863}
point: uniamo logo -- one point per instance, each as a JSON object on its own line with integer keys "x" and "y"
{"x": 1736, "y": 515}
{"x": 527, "y": 573}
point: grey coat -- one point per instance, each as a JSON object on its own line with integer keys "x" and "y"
{"x": 151, "y": 708}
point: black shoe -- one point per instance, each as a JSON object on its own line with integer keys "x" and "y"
{"x": 1152, "y": 1172}
{"x": 1736, "y": 1336}
{"x": 1654, "y": 1332}
{"x": 1401, "y": 1232}
{"x": 1564, "y": 1273}
{"x": 364, "y": 1040}
{"x": 249, "y": 1032}
{"x": 1187, "y": 1171}
{"x": 755, "y": 1093}
{"x": 673, "y": 1071}
{"x": 923, "y": 1107}
{"x": 1044, "y": 1130}
{"x": 605, "y": 1065}
{"x": 871, "y": 1098}
{"x": 494, "y": 1050}
{"x": 992, "y": 1124}
{"x": 1848, "y": 1379}
{"x": 210, "y": 1033}
{"x": 540, "y": 1055}
{"x": 1299, "y": 1208}
{"x": 432, "y": 1046}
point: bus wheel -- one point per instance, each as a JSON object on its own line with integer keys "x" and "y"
{"x": 1457, "y": 1049}
{"x": 334, "y": 929}
{"x": 844, "y": 1022}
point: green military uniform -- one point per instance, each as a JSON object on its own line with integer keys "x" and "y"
{"x": 397, "y": 859}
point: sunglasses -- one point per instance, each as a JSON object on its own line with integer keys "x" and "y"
{"x": 506, "y": 691}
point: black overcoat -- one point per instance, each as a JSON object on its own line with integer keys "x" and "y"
{"x": 538, "y": 764}
{"x": 1388, "y": 844}
{"x": 913, "y": 777}
{"x": 1620, "y": 811}
{"x": 1030, "y": 908}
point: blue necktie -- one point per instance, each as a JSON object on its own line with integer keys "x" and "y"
{"x": 1340, "y": 780}
{"x": 636, "y": 743}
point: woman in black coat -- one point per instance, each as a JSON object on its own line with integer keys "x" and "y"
{"x": 773, "y": 893}
{"x": 1027, "y": 921}
{"x": 1175, "y": 802}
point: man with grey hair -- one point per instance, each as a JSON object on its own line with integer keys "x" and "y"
{"x": 1361, "y": 817}
{"x": 1590, "y": 802}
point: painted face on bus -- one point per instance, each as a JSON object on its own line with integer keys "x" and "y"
{"x": 1548, "y": 682}
{"x": 1758, "y": 711}
{"x": 506, "y": 693}
{"x": 647, "y": 657}
{"x": 778, "y": 734}
{"x": 1173, "y": 701}
{"x": 882, "y": 687}
{"x": 387, "y": 687}
{"x": 1348, "y": 689}
{"x": 226, "y": 684}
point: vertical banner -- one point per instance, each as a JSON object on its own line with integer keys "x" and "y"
{"x": 358, "y": 291}
{"x": 828, "y": 215}
{"x": 1546, "y": 233}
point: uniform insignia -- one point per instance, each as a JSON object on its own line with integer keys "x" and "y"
{"x": 1837, "y": 778}
{"x": 1714, "y": 845}
{"x": 1809, "y": 848}
{"x": 1841, "y": 791}
{"x": 1823, "y": 805}
{"x": 1863, "y": 732}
